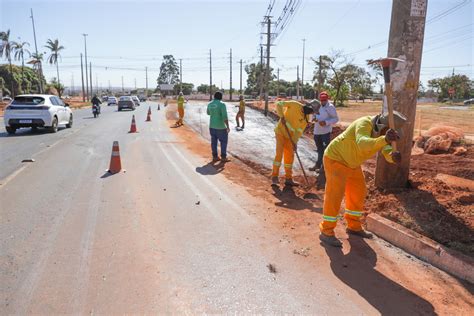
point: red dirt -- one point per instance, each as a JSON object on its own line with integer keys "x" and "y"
{"x": 431, "y": 207}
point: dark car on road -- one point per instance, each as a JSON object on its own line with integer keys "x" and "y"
{"x": 126, "y": 102}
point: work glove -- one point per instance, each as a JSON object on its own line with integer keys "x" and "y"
{"x": 396, "y": 157}
{"x": 391, "y": 136}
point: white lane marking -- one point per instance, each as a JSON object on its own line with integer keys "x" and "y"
{"x": 224, "y": 196}
{"x": 15, "y": 173}
{"x": 208, "y": 204}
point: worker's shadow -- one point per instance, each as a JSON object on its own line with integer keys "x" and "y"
{"x": 357, "y": 270}
{"x": 211, "y": 168}
{"x": 289, "y": 199}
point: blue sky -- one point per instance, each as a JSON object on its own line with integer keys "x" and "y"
{"x": 126, "y": 36}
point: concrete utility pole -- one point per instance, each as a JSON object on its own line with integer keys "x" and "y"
{"x": 302, "y": 70}
{"x": 146, "y": 81}
{"x": 85, "y": 56}
{"x": 82, "y": 77}
{"x": 71, "y": 90}
{"x": 40, "y": 68}
{"x": 135, "y": 80}
{"x": 210, "y": 75}
{"x": 122, "y": 85}
{"x": 407, "y": 29}
{"x": 230, "y": 84}
{"x": 278, "y": 82}
{"x": 260, "y": 77}
{"x": 96, "y": 84}
{"x": 297, "y": 82}
{"x": 180, "y": 75}
{"x": 241, "y": 77}
{"x": 90, "y": 76}
{"x": 267, "y": 72}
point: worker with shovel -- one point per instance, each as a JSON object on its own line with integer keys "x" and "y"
{"x": 342, "y": 165}
{"x": 293, "y": 120}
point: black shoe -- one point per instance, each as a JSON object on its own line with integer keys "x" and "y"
{"x": 291, "y": 183}
{"x": 361, "y": 233}
{"x": 330, "y": 240}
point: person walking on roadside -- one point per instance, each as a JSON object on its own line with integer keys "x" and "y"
{"x": 325, "y": 116}
{"x": 180, "y": 109}
{"x": 344, "y": 178}
{"x": 293, "y": 120}
{"x": 218, "y": 127}
{"x": 241, "y": 112}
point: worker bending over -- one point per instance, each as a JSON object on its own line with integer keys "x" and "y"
{"x": 293, "y": 120}
{"x": 180, "y": 109}
{"x": 342, "y": 165}
{"x": 241, "y": 112}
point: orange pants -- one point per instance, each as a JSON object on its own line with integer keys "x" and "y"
{"x": 181, "y": 114}
{"x": 342, "y": 181}
{"x": 284, "y": 149}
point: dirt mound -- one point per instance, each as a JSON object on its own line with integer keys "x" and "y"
{"x": 441, "y": 139}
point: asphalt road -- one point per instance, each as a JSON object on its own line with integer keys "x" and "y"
{"x": 158, "y": 237}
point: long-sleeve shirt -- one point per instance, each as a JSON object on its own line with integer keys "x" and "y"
{"x": 328, "y": 114}
{"x": 180, "y": 101}
{"x": 296, "y": 122}
{"x": 242, "y": 106}
{"x": 218, "y": 112}
{"x": 356, "y": 144}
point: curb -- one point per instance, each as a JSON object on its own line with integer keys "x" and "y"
{"x": 422, "y": 247}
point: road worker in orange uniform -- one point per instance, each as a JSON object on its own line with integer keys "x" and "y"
{"x": 342, "y": 166}
{"x": 180, "y": 109}
{"x": 293, "y": 120}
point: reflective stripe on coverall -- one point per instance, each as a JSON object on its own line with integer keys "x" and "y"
{"x": 344, "y": 177}
{"x": 296, "y": 123}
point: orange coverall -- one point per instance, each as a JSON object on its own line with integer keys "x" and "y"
{"x": 342, "y": 164}
{"x": 296, "y": 122}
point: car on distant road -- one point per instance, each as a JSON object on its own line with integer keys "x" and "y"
{"x": 37, "y": 110}
{"x": 111, "y": 101}
{"x": 126, "y": 102}
{"x": 470, "y": 101}
{"x": 136, "y": 100}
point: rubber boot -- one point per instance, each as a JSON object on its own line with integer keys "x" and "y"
{"x": 360, "y": 233}
{"x": 275, "y": 181}
{"x": 291, "y": 183}
{"x": 330, "y": 240}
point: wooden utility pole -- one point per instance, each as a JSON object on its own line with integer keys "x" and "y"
{"x": 407, "y": 29}
{"x": 210, "y": 75}
{"x": 82, "y": 77}
{"x": 230, "y": 89}
{"x": 241, "y": 76}
{"x": 267, "y": 71}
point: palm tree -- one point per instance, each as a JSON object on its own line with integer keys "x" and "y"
{"x": 5, "y": 52}
{"x": 54, "y": 47}
{"x": 20, "y": 50}
{"x": 36, "y": 60}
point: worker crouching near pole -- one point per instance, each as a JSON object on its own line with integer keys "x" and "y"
{"x": 342, "y": 165}
{"x": 293, "y": 120}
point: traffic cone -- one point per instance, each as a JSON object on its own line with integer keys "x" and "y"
{"x": 115, "y": 164}
{"x": 149, "y": 110}
{"x": 133, "y": 127}
{"x": 158, "y": 106}
{"x": 148, "y": 116}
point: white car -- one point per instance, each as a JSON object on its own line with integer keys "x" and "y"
{"x": 111, "y": 101}
{"x": 136, "y": 100}
{"x": 37, "y": 110}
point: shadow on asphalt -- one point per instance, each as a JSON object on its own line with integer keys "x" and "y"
{"x": 106, "y": 175}
{"x": 289, "y": 200}
{"x": 29, "y": 132}
{"x": 210, "y": 168}
{"x": 357, "y": 270}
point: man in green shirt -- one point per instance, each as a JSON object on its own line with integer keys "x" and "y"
{"x": 218, "y": 126}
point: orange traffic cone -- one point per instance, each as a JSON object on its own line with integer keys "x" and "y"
{"x": 115, "y": 164}
{"x": 133, "y": 127}
{"x": 148, "y": 116}
{"x": 158, "y": 106}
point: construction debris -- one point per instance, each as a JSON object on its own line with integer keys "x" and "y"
{"x": 441, "y": 139}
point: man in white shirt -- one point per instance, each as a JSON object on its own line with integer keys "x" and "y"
{"x": 325, "y": 116}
